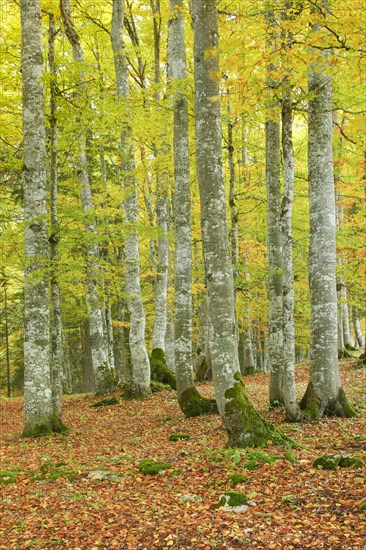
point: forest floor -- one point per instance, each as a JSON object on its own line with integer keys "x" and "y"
{"x": 52, "y": 498}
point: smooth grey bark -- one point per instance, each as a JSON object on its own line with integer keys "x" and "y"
{"x": 181, "y": 207}
{"x": 232, "y": 204}
{"x": 161, "y": 206}
{"x": 169, "y": 341}
{"x": 140, "y": 365}
{"x": 244, "y": 426}
{"x": 38, "y": 410}
{"x": 56, "y": 320}
{"x": 360, "y": 339}
{"x": 288, "y": 298}
{"x": 93, "y": 302}
{"x": 274, "y": 236}
{"x": 324, "y": 395}
{"x": 121, "y": 342}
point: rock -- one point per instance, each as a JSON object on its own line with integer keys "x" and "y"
{"x": 106, "y": 475}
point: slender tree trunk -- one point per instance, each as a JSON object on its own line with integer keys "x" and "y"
{"x": 56, "y": 328}
{"x": 360, "y": 339}
{"x": 93, "y": 302}
{"x": 274, "y": 236}
{"x": 161, "y": 209}
{"x": 189, "y": 399}
{"x": 289, "y": 387}
{"x": 38, "y": 409}
{"x": 244, "y": 425}
{"x": 140, "y": 375}
{"x": 324, "y": 394}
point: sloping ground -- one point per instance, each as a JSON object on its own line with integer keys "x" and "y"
{"x": 50, "y": 501}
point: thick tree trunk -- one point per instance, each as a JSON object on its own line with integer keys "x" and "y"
{"x": 324, "y": 395}
{"x": 244, "y": 425}
{"x": 289, "y": 387}
{"x": 38, "y": 413}
{"x": 93, "y": 302}
{"x": 140, "y": 375}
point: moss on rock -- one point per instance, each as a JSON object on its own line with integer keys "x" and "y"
{"x": 233, "y": 498}
{"x": 193, "y": 404}
{"x": 149, "y": 466}
{"x": 159, "y": 370}
{"x": 331, "y": 462}
{"x": 245, "y": 426}
{"x": 157, "y": 387}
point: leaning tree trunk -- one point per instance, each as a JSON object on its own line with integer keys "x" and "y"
{"x": 38, "y": 410}
{"x": 97, "y": 337}
{"x": 360, "y": 340}
{"x": 190, "y": 402}
{"x": 324, "y": 394}
{"x": 140, "y": 366}
{"x": 289, "y": 387}
{"x": 244, "y": 425}
{"x": 274, "y": 236}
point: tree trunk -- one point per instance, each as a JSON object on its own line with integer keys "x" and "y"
{"x": 140, "y": 375}
{"x": 289, "y": 388}
{"x": 360, "y": 339}
{"x": 56, "y": 327}
{"x": 38, "y": 407}
{"x": 324, "y": 395}
{"x": 97, "y": 337}
{"x": 274, "y": 236}
{"x": 244, "y": 425}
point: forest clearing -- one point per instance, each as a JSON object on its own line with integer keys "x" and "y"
{"x": 54, "y": 503}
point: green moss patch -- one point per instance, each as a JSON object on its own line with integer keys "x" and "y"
{"x": 152, "y": 467}
{"x": 9, "y": 476}
{"x": 331, "y": 462}
{"x": 233, "y": 498}
{"x": 178, "y": 437}
{"x": 157, "y": 387}
{"x": 159, "y": 370}
{"x": 193, "y": 404}
{"x": 235, "y": 479}
{"x": 106, "y": 402}
{"x": 51, "y": 472}
{"x": 246, "y": 427}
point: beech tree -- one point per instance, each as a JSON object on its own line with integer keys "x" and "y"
{"x": 41, "y": 415}
{"x": 244, "y": 425}
{"x": 140, "y": 371}
{"x": 324, "y": 395}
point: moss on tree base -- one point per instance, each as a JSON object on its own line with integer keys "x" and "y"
{"x": 193, "y": 404}
{"x": 245, "y": 426}
{"x": 314, "y": 408}
{"x": 159, "y": 369}
{"x": 201, "y": 374}
{"x": 38, "y": 430}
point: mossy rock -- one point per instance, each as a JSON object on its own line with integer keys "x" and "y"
{"x": 246, "y": 427}
{"x": 157, "y": 387}
{"x": 233, "y": 498}
{"x": 363, "y": 507}
{"x": 235, "y": 479}
{"x": 159, "y": 370}
{"x": 178, "y": 437}
{"x": 193, "y": 404}
{"x": 106, "y": 402}
{"x": 331, "y": 462}
{"x": 148, "y": 466}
